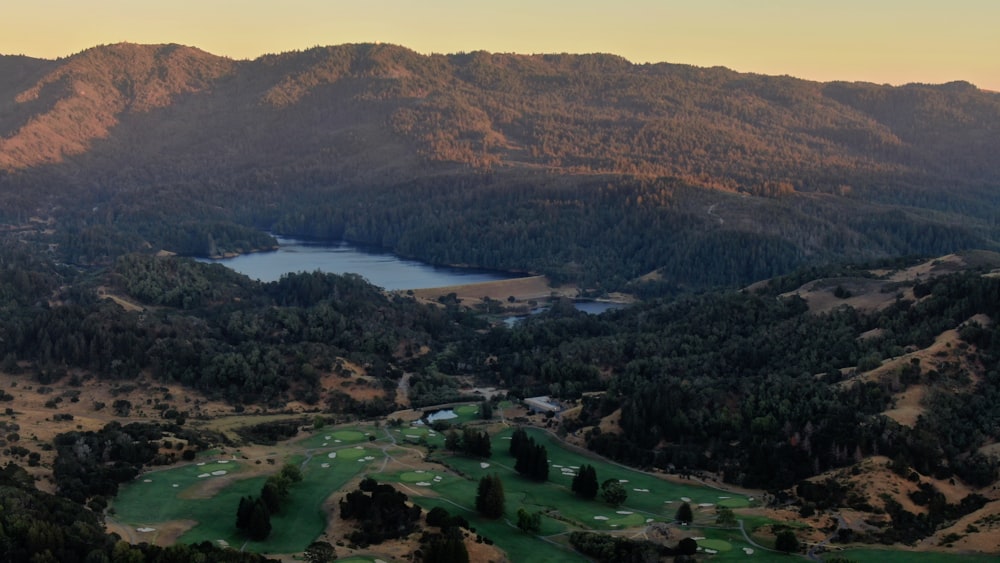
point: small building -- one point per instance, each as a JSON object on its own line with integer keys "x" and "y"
{"x": 542, "y": 404}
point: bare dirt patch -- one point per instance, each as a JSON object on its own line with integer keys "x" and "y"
{"x": 908, "y": 406}
{"x": 522, "y": 289}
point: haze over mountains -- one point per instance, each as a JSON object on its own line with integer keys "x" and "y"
{"x": 147, "y": 118}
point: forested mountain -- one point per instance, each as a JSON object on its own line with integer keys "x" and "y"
{"x": 563, "y": 164}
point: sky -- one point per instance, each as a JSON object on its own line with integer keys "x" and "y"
{"x": 881, "y": 41}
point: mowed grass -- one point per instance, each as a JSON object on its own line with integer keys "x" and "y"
{"x": 650, "y": 498}
{"x": 518, "y": 545}
{"x": 647, "y": 494}
{"x": 330, "y": 438}
{"x": 302, "y": 519}
{"x": 889, "y": 556}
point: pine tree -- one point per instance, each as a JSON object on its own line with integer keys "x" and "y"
{"x": 684, "y": 514}
{"x": 489, "y": 496}
{"x": 243, "y": 513}
{"x": 585, "y": 482}
{"x": 518, "y": 440}
{"x": 259, "y": 523}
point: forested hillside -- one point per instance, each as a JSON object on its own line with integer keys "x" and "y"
{"x": 567, "y": 165}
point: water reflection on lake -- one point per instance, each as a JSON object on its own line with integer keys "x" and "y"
{"x": 383, "y": 269}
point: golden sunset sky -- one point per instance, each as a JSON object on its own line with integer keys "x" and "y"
{"x": 882, "y": 41}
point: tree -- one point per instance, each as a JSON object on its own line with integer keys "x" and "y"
{"x": 613, "y": 492}
{"x": 684, "y": 514}
{"x": 530, "y": 523}
{"x": 786, "y": 541}
{"x": 489, "y": 496}
{"x": 320, "y": 552}
{"x": 585, "y": 482}
{"x": 725, "y": 517}
{"x": 518, "y": 441}
{"x": 446, "y": 550}
{"x": 243, "y": 513}
{"x": 687, "y": 546}
{"x": 485, "y": 410}
{"x": 259, "y": 523}
{"x": 452, "y": 441}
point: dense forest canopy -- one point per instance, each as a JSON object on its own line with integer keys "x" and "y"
{"x": 568, "y": 165}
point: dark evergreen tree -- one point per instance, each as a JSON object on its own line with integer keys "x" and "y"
{"x": 518, "y": 441}
{"x": 453, "y": 441}
{"x": 585, "y": 482}
{"x": 490, "y": 497}
{"x": 243, "y": 513}
{"x": 684, "y": 514}
{"x": 259, "y": 523}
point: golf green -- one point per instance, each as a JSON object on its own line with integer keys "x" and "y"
{"x": 350, "y": 454}
{"x": 467, "y": 409}
{"x": 717, "y": 545}
{"x": 735, "y": 502}
{"x": 348, "y": 435}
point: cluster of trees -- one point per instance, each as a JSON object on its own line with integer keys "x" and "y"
{"x": 532, "y": 459}
{"x": 741, "y": 382}
{"x": 616, "y": 549}
{"x": 237, "y": 339}
{"x": 382, "y": 513}
{"x": 490, "y": 499}
{"x": 253, "y": 515}
{"x": 449, "y": 545}
{"x": 89, "y": 466}
{"x": 471, "y": 442}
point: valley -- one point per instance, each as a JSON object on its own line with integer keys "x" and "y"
{"x": 762, "y": 310}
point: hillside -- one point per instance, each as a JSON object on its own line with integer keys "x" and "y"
{"x": 568, "y": 158}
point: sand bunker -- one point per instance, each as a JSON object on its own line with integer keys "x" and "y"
{"x": 219, "y": 472}
{"x": 483, "y": 464}
{"x": 600, "y": 517}
{"x": 144, "y": 530}
{"x": 325, "y": 465}
{"x": 624, "y": 512}
{"x": 685, "y": 499}
{"x": 331, "y": 455}
{"x": 203, "y": 475}
{"x": 423, "y": 484}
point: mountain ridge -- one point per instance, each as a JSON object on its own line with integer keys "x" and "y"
{"x": 490, "y": 110}
{"x": 381, "y": 145}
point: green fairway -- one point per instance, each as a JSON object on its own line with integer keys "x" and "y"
{"x": 518, "y": 545}
{"x": 172, "y": 495}
{"x": 467, "y": 410}
{"x": 328, "y": 438}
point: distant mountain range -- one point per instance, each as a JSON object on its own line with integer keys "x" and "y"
{"x": 125, "y": 118}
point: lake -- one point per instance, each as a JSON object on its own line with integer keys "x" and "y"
{"x": 381, "y": 268}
